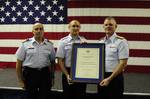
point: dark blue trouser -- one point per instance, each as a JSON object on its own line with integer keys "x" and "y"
{"x": 37, "y": 83}
{"x": 114, "y": 90}
{"x": 73, "y": 90}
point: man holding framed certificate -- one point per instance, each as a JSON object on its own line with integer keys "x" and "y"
{"x": 117, "y": 54}
{"x": 88, "y": 61}
{"x": 64, "y": 51}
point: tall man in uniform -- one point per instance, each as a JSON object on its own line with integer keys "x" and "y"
{"x": 64, "y": 59}
{"x": 117, "y": 54}
{"x": 35, "y": 64}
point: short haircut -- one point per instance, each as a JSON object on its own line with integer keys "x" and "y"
{"x": 110, "y": 18}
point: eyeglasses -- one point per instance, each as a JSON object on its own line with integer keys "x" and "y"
{"x": 38, "y": 29}
{"x": 75, "y": 26}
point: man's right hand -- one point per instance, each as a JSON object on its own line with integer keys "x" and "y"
{"x": 22, "y": 85}
{"x": 69, "y": 79}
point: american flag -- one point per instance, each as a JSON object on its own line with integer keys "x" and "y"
{"x": 133, "y": 17}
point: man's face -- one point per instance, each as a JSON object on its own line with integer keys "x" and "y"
{"x": 110, "y": 26}
{"x": 38, "y": 30}
{"x": 74, "y": 28}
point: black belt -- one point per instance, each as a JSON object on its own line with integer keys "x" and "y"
{"x": 107, "y": 74}
{"x": 68, "y": 68}
{"x": 36, "y": 69}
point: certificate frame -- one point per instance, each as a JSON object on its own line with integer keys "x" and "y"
{"x": 83, "y": 69}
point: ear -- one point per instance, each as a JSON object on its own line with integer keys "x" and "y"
{"x": 116, "y": 26}
{"x": 103, "y": 26}
{"x": 79, "y": 26}
{"x": 69, "y": 26}
{"x": 32, "y": 31}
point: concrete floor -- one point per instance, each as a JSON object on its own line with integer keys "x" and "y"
{"x": 134, "y": 82}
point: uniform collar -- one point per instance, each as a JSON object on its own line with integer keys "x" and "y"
{"x": 45, "y": 41}
{"x": 70, "y": 37}
{"x": 34, "y": 41}
{"x": 111, "y": 38}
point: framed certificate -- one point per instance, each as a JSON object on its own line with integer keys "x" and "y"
{"x": 88, "y": 62}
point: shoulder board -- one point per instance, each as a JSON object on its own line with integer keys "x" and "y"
{"x": 49, "y": 41}
{"x": 101, "y": 38}
{"x": 64, "y": 38}
{"x": 82, "y": 37}
{"x": 120, "y": 37}
{"x": 28, "y": 39}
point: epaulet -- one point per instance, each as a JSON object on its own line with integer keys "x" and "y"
{"x": 120, "y": 37}
{"x": 28, "y": 39}
{"x": 49, "y": 41}
{"x": 82, "y": 37}
{"x": 64, "y": 38}
{"x": 101, "y": 38}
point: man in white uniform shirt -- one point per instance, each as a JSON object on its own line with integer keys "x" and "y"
{"x": 64, "y": 59}
{"x": 117, "y": 54}
{"x": 35, "y": 64}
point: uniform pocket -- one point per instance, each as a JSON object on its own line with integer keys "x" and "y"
{"x": 113, "y": 50}
{"x": 67, "y": 47}
{"x": 30, "y": 51}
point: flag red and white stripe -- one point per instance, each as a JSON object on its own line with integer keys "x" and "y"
{"x": 133, "y": 19}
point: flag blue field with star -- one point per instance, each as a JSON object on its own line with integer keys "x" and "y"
{"x": 31, "y": 11}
